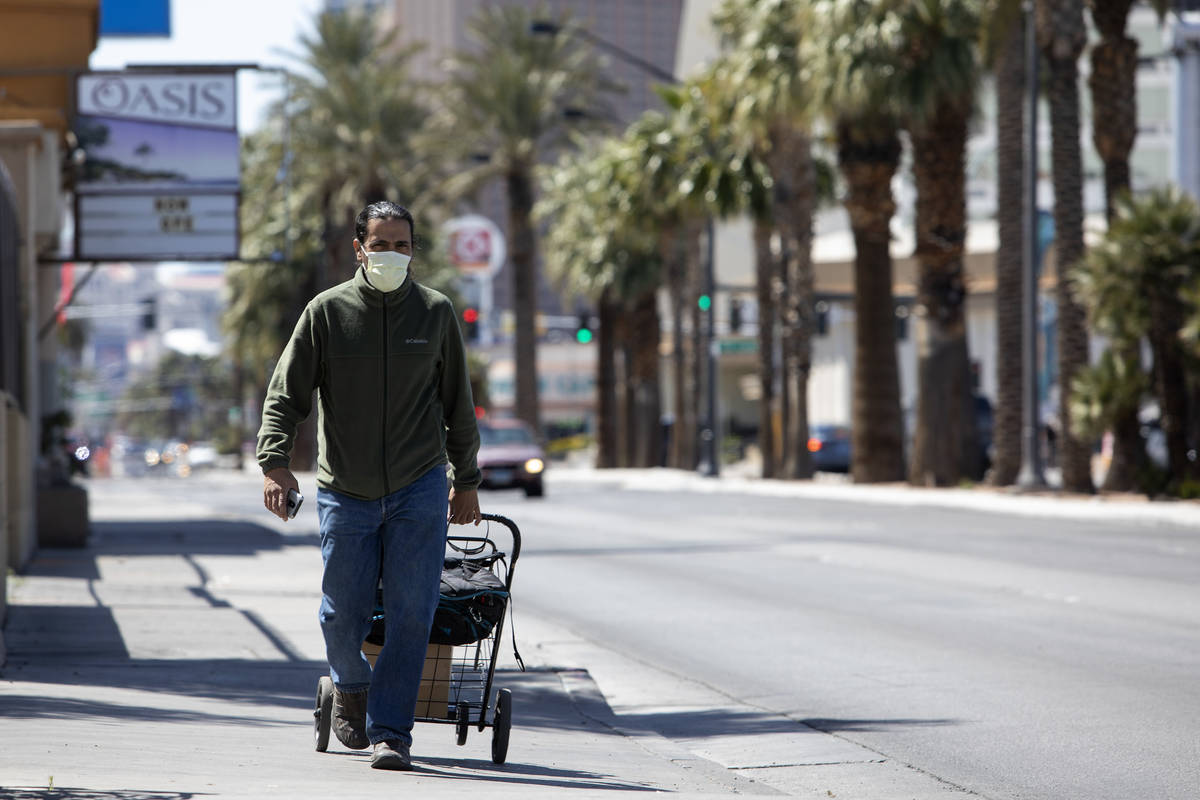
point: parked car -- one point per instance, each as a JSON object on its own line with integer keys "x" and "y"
{"x": 830, "y": 447}
{"x": 510, "y": 457}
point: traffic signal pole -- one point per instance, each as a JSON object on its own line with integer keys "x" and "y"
{"x": 710, "y": 465}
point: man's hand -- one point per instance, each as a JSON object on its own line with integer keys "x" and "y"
{"x": 276, "y": 484}
{"x": 464, "y": 506}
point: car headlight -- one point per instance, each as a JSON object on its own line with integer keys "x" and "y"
{"x": 534, "y": 465}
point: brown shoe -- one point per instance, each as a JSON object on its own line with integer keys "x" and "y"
{"x": 350, "y": 719}
{"x": 391, "y": 754}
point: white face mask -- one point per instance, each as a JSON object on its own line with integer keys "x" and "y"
{"x": 386, "y": 270}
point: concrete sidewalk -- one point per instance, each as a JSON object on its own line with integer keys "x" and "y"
{"x": 179, "y": 659}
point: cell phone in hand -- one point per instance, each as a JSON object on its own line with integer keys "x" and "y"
{"x": 294, "y": 499}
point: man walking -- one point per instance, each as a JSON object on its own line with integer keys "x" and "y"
{"x": 387, "y": 360}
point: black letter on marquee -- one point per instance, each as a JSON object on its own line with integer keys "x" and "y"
{"x": 210, "y": 94}
{"x": 111, "y": 94}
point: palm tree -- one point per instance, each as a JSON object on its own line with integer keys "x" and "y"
{"x": 506, "y": 100}
{"x": 768, "y": 280}
{"x": 344, "y": 136}
{"x": 599, "y": 244}
{"x": 1005, "y": 46}
{"x": 764, "y": 76}
{"x": 1135, "y": 284}
{"x": 857, "y": 93}
{"x": 938, "y": 73}
{"x": 651, "y": 172}
{"x": 722, "y": 171}
{"x": 1113, "y": 82}
{"x": 1062, "y": 35}
{"x": 352, "y": 110}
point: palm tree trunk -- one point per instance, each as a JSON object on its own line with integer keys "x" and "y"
{"x": 868, "y": 158}
{"x": 523, "y": 255}
{"x": 606, "y": 383}
{"x": 1129, "y": 449}
{"x": 644, "y": 372}
{"x": 1170, "y": 381}
{"x": 791, "y": 164}
{"x": 1010, "y": 214}
{"x": 944, "y": 431}
{"x": 626, "y": 392}
{"x": 1062, "y": 35}
{"x": 765, "y": 272}
{"x": 1114, "y": 128}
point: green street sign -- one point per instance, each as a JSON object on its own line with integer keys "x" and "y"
{"x": 738, "y": 345}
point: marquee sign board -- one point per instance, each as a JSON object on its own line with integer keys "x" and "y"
{"x": 161, "y": 178}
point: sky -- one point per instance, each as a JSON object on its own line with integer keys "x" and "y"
{"x": 223, "y": 31}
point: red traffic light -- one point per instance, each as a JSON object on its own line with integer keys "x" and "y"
{"x": 470, "y": 315}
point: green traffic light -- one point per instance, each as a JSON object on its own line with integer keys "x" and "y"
{"x": 583, "y": 336}
{"x": 705, "y": 302}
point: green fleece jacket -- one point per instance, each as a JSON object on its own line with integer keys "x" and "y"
{"x": 393, "y": 396}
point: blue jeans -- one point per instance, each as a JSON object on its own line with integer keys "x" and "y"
{"x": 401, "y": 540}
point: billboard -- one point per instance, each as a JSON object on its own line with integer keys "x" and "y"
{"x": 161, "y": 177}
{"x": 135, "y": 17}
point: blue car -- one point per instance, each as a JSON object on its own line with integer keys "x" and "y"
{"x": 830, "y": 447}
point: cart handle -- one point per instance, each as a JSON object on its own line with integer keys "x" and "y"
{"x": 516, "y": 541}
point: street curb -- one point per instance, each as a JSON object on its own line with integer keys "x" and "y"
{"x": 592, "y": 705}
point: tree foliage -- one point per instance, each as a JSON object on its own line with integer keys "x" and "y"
{"x": 1140, "y": 284}
{"x": 184, "y": 397}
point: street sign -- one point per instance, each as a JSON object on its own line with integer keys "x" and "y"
{"x": 732, "y": 346}
{"x": 135, "y": 18}
{"x": 476, "y": 245}
{"x": 161, "y": 177}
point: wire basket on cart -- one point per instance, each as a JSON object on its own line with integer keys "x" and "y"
{"x": 464, "y": 643}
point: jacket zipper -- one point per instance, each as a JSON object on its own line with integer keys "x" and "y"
{"x": 383, "y": 416}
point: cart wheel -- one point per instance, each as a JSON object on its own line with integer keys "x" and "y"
{"x": 323, "y": 714}
{"x": 462, "y": 722}
{"x": 501, "y": 726}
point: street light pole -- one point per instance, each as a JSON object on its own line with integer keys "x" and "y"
{"x": 1030, "y": 476}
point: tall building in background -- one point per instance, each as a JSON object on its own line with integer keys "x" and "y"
{"x": 647, "y": 29}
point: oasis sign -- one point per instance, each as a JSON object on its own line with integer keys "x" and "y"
{"x": 207, "y": 100}
{"x": 160, "y": 180}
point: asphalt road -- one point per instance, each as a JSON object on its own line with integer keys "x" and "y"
{"x": 1009, "y": 656}
{"x": 1005, "y": 656}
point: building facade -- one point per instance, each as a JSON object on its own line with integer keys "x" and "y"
{"x": 43, "y": 44}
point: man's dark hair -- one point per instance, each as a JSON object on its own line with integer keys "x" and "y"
{"x": 384, "y": 209}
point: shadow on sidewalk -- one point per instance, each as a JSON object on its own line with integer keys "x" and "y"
{"x": 192, "y": 537}
{"x": 68, "y": 793}
{"x": 522, "y": 775}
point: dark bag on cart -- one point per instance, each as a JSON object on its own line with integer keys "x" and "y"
{"x": 472, "y": 600}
